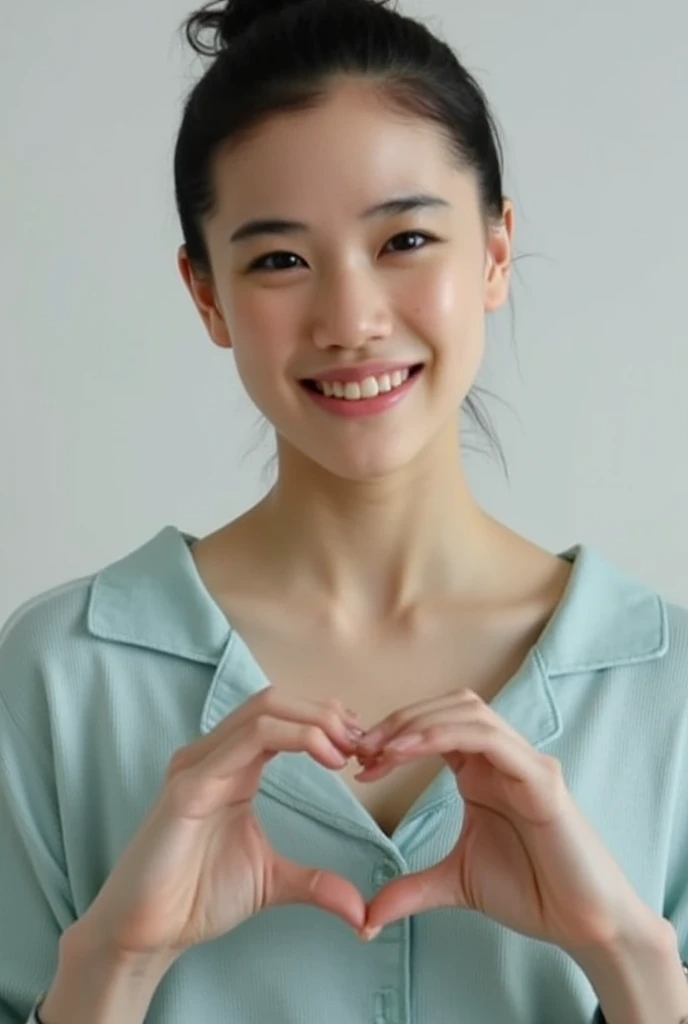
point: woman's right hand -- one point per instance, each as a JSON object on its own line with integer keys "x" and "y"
{"x": 200, "y": 863}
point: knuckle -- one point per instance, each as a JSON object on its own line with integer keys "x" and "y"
{"x": 312, "y": 735}
{"x": 189, "y": 792}
{"x": 331, "y": 721}
{"x": 434, "y": 732}
{"x": 334, "y": 705}
{"x": 177, "y": 762}
{"x": 261, "y": 726}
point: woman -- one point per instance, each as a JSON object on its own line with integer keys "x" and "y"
{"x": 364, "y": 753}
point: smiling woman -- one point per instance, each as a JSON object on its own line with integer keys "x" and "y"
{"x": 393, "y": 259}
{"x": 441, "y": 849}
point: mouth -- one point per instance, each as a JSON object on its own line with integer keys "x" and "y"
{"x": 385, "y": 384}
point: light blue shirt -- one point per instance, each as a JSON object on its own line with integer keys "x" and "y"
{"x": 102, "y": 679}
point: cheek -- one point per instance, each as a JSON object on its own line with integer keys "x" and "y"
{"x": 263, "y": 340}
{"x": 446, "y": 307}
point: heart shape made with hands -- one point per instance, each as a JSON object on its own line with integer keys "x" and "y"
{"x": 526, "y": 857}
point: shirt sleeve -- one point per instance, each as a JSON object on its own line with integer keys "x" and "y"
{"x": 35, "y": 899}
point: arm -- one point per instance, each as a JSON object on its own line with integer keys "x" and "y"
{"x": 92, "y": 986}
{"x": 640, "y": 980}
{"x": 45, "y": 942}
{"x": 35, "y": 898}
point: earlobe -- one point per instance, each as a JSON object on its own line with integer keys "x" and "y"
{"x": 215, "y": 324}
{"x": 203, "y": 296}
{"x": 496, "y": 294}
{"x": 498, "y": 269}
{"x": 496, "y": 285}
{"x": 218, "y": 331}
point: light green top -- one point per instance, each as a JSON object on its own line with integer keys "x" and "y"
{"x": 102, "y": 679}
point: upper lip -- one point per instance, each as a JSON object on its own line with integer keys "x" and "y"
{"x": 355, "y": 374}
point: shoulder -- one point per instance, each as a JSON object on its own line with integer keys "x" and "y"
{"x": 39, "y": 625}
{"x": 38, "y": 633}
{"x": 130, "y": 621}
{"x": 622, "y": 634}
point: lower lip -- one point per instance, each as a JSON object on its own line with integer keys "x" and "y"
{"x": 363, "y": 406}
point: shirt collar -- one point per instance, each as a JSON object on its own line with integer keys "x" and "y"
{"x": 155, "y": 598}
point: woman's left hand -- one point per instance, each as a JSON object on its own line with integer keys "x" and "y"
{"x": 526, "y": 856}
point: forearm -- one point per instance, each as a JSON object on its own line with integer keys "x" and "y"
{"x": 92, "y": 986}
{"x": 640, "y": 980}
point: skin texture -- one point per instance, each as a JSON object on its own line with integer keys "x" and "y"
{"x": 373, "y": 515}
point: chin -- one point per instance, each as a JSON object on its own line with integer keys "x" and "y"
{"x": 365, "y": 465}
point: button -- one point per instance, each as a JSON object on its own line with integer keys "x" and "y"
{"x": 386, "y": 1006}
{"x": 384, "y": 872}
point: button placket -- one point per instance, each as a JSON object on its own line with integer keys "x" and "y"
{"x": 386, "y": 1006}
{"x": 383, "y": 873}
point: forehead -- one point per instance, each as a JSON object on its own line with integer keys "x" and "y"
{"x": 344, "y": 154}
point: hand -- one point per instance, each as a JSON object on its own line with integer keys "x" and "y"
{"x": 526, "y": 856}
{"x": 200, "y": 864}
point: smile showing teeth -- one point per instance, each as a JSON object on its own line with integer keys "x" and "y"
{"x": 371, "y": 387}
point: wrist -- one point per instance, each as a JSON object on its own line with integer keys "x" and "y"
{"x": 639, "y": 978}
{"x": 85, "y": 942}
{"x": 95, "y": 984}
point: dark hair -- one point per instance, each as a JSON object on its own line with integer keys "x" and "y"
{"x": 273, "y": 56}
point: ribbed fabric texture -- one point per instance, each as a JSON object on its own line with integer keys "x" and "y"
{"x": 102, "y": 679}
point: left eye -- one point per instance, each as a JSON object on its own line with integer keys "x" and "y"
{"x": 413, "y": 234}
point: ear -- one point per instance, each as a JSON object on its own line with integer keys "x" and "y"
{"x": 202, "y": 292}
{"x": 498, "y": 262}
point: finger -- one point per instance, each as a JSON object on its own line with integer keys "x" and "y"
{"x": 329, "y": 714}
{"x": 398, "y": 721}
{"x": 295, "y": 883}
{"x": 506, "y": 750}
{"x": 376, "y": 770}
{"x": 413, "y": 894}
{"x": 232, "y": 770}
{"x": 266, "y": 735}
{"x": 459, "y": 711}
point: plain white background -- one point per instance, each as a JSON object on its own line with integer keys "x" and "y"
{"x": 119, "y": 416}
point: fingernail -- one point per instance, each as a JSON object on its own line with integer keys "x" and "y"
{"x": 405, "y": 742}
{"x": 368, "y": 934}
{"x": 370, "y": 741}
{"x": 368, "y": 760}
{"x": 355, "y": 732}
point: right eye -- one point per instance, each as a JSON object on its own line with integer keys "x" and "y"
{"x": 260, "y": 263}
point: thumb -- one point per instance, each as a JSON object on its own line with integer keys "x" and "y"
{"x": 412, "y": 894}
{"x": 295, "y": 883}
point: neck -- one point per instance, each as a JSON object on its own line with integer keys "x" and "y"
{"x": 374, "y": 550}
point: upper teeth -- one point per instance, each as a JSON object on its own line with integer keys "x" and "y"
{"x": 370, "y": 387}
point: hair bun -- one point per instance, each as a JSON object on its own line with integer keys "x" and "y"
{"x": 229, "y": 20}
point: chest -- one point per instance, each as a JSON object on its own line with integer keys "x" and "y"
{"x": 376, "y": 678}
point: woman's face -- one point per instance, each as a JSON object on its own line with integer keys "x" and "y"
{"x": 406, "y": 287}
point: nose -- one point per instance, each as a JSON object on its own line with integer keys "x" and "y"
{"x": 352, "y": 310}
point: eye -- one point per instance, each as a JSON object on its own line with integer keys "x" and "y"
{"x": 414, "y": 234}
{"x": 262, "y": 261}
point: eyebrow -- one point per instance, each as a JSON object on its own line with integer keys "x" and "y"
{"x": 389, "y": 208}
